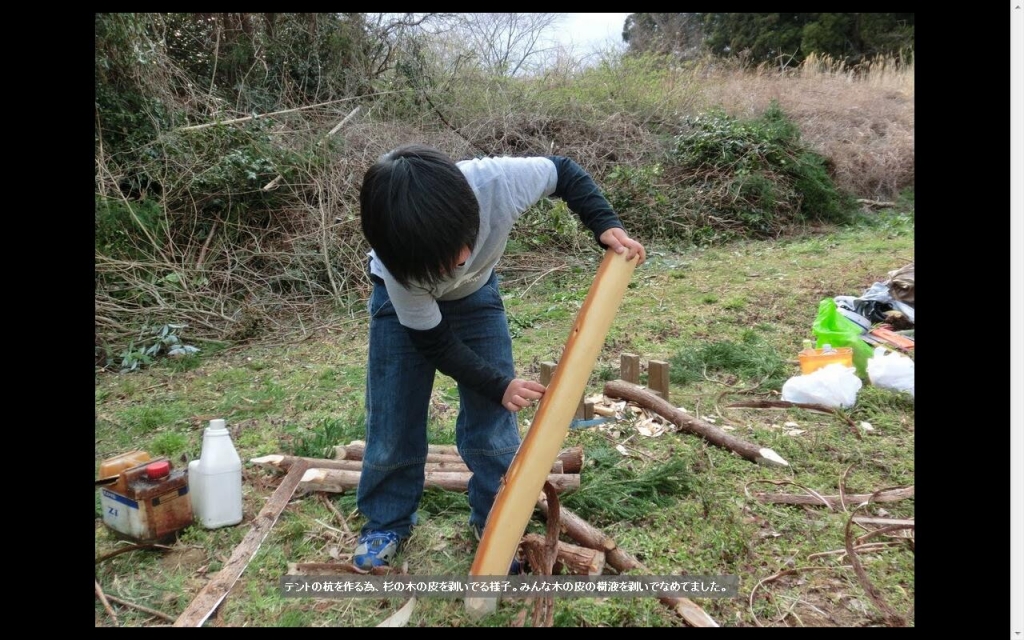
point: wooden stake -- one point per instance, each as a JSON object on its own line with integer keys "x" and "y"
{"x": 629, "y": 368}
{"x": 584, "y": 410}
{"x": 547, "y": 370}
{"x": 686, "y": 422}
{"x": 657, "y": 378}
{"x": 525, "y": 478}
{"x": 217, "y": 589}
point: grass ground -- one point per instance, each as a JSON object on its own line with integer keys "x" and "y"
{"x": 730, "y": 320}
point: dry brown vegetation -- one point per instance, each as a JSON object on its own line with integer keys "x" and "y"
{"x": 290, "y": 267}
{"x": 862, "y": 120}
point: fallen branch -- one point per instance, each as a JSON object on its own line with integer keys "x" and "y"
{"x": 134, "y": 547}
{"x": 881, "y": 531}
{"x": 888, "y": 495}
{"x": 106, "y": 604}
{"x": 885, "y": 522}
{"x": 337, "y": 514}
{"x": 875, "y": 203}
{"x": 891, "y": 616}
{"x": 860, "y": 548}
{"x": 217, "y": 589}
{"x": 334, "y": 569}
{"x": 586, "y": 534}
{"x": 818, "y": 498}
{"x": 139, "y": 607}
{"x": 340, "y": 480}
{"x": 786, "y": 404}
{"x": 711, "y": 433}
{"x": 786, "y": 572}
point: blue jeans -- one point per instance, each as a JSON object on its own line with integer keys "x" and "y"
{"x": 398, "y": 386}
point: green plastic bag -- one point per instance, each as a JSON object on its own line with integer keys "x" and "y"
{"x": 832, "y": 327}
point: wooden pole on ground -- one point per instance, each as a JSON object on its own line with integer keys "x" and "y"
{"x": 525, "y": 478}
{"x": 686, "y": 422}
{"x": 571, "y": 457}
{"x": 341, "y": 480}
{"x": 280, "y": 462}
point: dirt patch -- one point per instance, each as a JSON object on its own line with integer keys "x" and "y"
{"x": 188, "y": 558}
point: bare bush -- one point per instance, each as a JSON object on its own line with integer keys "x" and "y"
{"x": 281, "y": 251}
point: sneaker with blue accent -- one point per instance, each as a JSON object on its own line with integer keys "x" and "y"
{"x": 376, "y": 549}
{"x": 514, "y": 569}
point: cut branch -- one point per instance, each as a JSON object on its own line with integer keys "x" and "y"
{"x": 586, "y": 534}
{"x": 889, "y": 495}
{"x": 334, "y": 569}
{"x": 786, "y": 404}
{"x": 139, "y": 607}
{"x": 103, "y": 600}
{"x": 686, "y": 422}
{"x": 340, "y": 480}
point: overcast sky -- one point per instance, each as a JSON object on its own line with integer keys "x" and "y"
{"x": 587, "y": 30}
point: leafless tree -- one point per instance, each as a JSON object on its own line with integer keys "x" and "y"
{"x": 507, "y": 44}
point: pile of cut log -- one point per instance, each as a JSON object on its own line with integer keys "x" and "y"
{"x": 445, "y": 469}
{"x": 591, "y": 552}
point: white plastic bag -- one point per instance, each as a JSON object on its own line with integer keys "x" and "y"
{"x": 891, "y": 370}
{"x": 833, "y": 385}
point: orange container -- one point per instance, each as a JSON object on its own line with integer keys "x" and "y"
{"x": 813, "y": 359}
{"x": 114, "y": 466}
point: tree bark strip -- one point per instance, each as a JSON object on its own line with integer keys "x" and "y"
{"x": 217, "y": 589}
{"x": 686, "y": 422}
{"x": 517, "y": 495}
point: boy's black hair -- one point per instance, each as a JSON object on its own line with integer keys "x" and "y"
{"x": 418, "y": 212}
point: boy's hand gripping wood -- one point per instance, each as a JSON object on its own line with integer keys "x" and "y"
{"x": 524, "y": 481}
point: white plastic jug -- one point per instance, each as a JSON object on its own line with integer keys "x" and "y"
{"x": 215, "y": 479}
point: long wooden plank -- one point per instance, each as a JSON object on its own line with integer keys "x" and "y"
{"x": 517, "y": 497}
{"x": 217, "y": 589}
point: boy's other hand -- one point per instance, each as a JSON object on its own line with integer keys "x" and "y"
{"x": 619, "y": 241}
{"x": 521, "y": 394}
